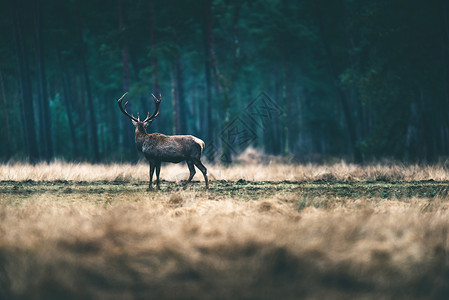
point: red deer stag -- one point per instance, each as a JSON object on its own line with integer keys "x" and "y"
{"x": 159, "y": 148}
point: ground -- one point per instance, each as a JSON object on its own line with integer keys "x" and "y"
{"x": 260, "y": 232}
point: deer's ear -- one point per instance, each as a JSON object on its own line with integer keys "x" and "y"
{"x": 134, "y": 122}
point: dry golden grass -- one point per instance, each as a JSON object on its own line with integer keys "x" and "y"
{"x": 66, "y": 242}
{"x": 189, "y": 245}
{"x": 271, "y": 171}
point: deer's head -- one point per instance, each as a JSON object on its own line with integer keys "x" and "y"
{"x": 140, "y": 125}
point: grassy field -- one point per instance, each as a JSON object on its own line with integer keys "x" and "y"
{"x": 263, "y": 231}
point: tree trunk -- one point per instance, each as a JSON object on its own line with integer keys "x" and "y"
{"x": 445, "y": 49}
{"x": 175, "y": 103}
{"x": 273, "y": 131}
{"x": 207, "y": 25}
{"x": 68, "y": 104}
{"x": 220, "y": 85}
{"x": 182, "y": 108}
{"x": 128, "y": 128}
{"x": 90, "y": 105}
{"x": 5, "y": 119}
{"x": 350, "y": 125}
{"x": 428, "y": 136}
{"x": 25, "y": 86}
{"x": 46, "y": 130}
{"x": 197, "y": 114}
{"x": 81, "y": 99}
{"x": 154, "y": 62}
{"x": 351, "y": 91}
{"x": 180, "y": 111}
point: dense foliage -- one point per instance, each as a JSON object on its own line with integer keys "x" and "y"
{"x": 355, "y": 79}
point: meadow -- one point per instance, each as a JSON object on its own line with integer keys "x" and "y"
{"x": 267, "y": 230}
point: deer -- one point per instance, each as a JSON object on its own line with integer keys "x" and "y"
{"x": 158, "y": 147}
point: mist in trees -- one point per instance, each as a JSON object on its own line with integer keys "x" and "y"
{"x": 359, "y": 80}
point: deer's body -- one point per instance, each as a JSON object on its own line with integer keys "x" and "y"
{"x": 174, "y": 149}
{"x": 158, "y": 148}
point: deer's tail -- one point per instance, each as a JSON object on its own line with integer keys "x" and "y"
{"x": 200, "y": 143}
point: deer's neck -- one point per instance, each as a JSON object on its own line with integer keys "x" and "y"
{"x": 147, "y": 143}
{"x": 140, "y": 138}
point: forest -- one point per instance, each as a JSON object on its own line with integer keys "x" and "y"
{"x": 326, "y": 126}
{"x": 309, "y": 80}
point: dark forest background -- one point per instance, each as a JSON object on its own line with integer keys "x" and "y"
{"x": 355, "y": 79}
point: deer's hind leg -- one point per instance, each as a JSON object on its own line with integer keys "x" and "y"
{"x": 203, "y": 170}
{"x": 192, "y": 171}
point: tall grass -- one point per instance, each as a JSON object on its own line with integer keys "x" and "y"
{"x": 273, "y": 171}
{"x": 67, "y": 243}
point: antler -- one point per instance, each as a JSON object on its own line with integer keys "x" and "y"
{"x": 156, "y": 110}
{"x": 119, "y": 101}
{"x": 148, "y": 118}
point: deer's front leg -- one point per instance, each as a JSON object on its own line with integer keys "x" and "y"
{"x": 158, "y": 171}
{"x": 152, "y": 164}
